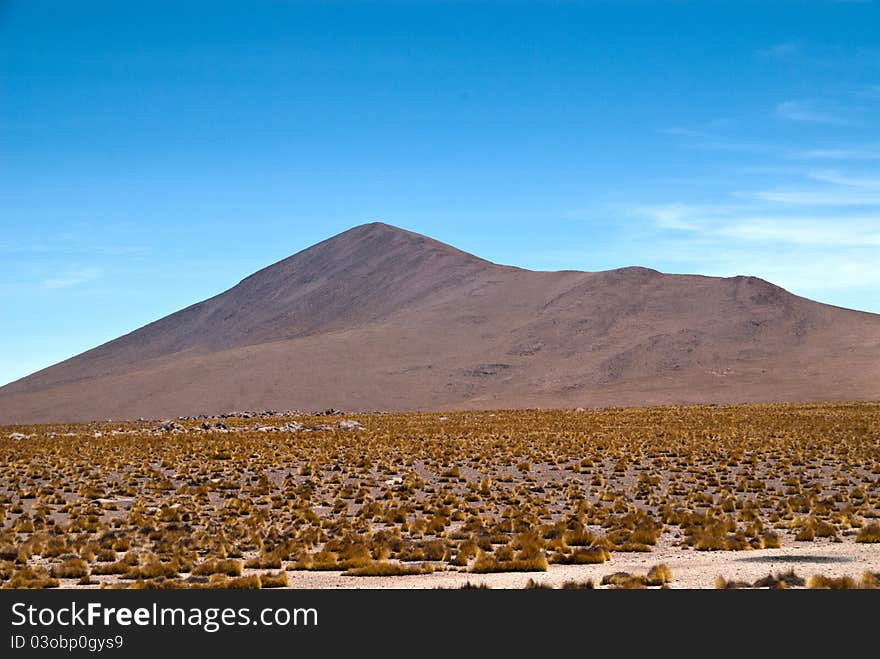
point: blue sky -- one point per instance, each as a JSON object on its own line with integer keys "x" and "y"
{"x": 154, "y": 154}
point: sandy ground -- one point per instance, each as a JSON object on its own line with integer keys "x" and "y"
{"x": 690, "y": 569}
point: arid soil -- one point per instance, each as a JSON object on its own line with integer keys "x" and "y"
{"x": 502, "y": 499}
{"x": 690, "y": 569}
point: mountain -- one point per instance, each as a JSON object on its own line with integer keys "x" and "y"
{"x": 379, "y": 318}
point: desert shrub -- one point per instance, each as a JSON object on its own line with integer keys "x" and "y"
{"x": 869, "y": 533}
{"x": 583, "y": 556}
{"x": 152, "y": 569}
{"x": 805, "y": 534}
{"x": 824, "y": 529}
{"x": 118, "y": 567}
{"x": 105, "y": 555}
{"x": 870, "y": 581}
{"x": 624, "y": 581}
{"x": 645, "y": 536}
{"x": 629, "y": 546}
{"x": 817, "y": 581}
{"x": 659, "y": 574}
{"x": 505, "y": 553}
{"x": 270, "y": 561}
{"x": 579, "y": 585}
{"x": 380, "y": 569}
{"x": 780, "y": 580}
{"x": 31, "y": 578}
{"x": 222, "y": 582}
{"x": 531, "y": 584}
{"x": 467, "y": 549}
{"x": 72, "y": 568}
{"x": 229, "y": 567}
{"x": 771, "y": 540}
{"x": 56, "y": 547}
{"x": 486, "y": 563}
{"x": 579, "y": 538}
{"x": 723, "y": 584}
{"x": 710, "y": 542}
{"x": 321, "y": 561}
{"x": 276, "y": 580}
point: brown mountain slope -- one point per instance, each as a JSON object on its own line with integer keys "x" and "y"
{"x": 381, "y": 318}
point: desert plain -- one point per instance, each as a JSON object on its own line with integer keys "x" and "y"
{"x": 745, "y": 495}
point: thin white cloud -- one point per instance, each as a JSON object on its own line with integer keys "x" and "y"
{"x": 864, "y": 153}
{"x": 805, "y": 254}
{"x": 829, "y": 197}
{"x": 698, "y": 139}
{"x": 781, "y": 50}
{"x": 73, "y": 277}
{"x": 837, "y": 178}
{"x": 749, "y": 224}
{"x": 671, "y": 216}
{"x": 829, "y": 232}
{"x": 807, "y": 111}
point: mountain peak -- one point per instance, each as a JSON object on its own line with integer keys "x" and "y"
{"x": 378, "y": 317}
{"x": 380, "y": 236}
{"x": 378, "y": 227}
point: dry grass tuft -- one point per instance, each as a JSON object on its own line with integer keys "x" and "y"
{"x": 531, "y": 584}
{"x": 817, "y": 581}
{"x": 32, "y": 578}
{"x": 625, "y": 581}
{"x": 583, "y": 556}
{"x": 72, "y": 568}
{"x": 723, "y": 584}
{"x": 870, "y": 581}
{"x": 222, "y": 582}
{"x": 229, "y": 567}
{"x": 659, "y": 574}
{"x": 380, "y": 569}
{"x": 869, "y": 533}
{"x": 780, "y": 580}
{"x": 274, "y": 580}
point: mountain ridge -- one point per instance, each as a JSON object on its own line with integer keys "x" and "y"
{"x": 378, "y": 317}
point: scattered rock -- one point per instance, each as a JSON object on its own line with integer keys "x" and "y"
{"x": 18, "y": 435}
{"x": 207, "y": 425}
{"x": 350, "y": 424}
{"x": 170, "y": 426}
{"x": 329, "y": 412}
